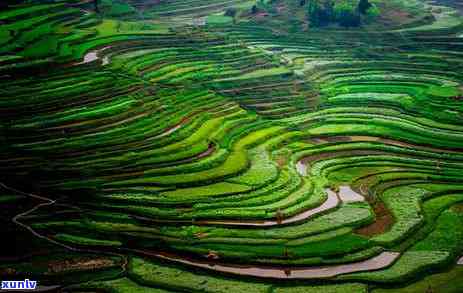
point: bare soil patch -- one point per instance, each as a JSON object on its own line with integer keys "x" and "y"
{"x": 383, "y": 222}
{"x": 60, "y": 266}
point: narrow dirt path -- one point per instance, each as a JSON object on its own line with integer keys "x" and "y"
{"x": 50, "y": 202}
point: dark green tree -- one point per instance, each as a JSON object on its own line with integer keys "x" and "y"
{"x": 314, "y": 12}
{"x": 349, "y": 19}
{"x": 254, "y": 9}
{"x": 230, "y": 12}
{"x": 320, "y": 12}
{"x": 95, "y": 4}
{"x": 328, "y": 11}
{"x": 363, "y": 6}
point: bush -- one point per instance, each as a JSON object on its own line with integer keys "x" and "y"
{"x": 116, "y": 8}
{"x": 346, "y": 13}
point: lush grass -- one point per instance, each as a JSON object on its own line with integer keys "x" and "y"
{"x": 86, "y": 241}
{"x": 190, "y": 123}
{"x": 446, "y": 282}
{"x": 156, "y": 274}
{"x": 342, "y": 288}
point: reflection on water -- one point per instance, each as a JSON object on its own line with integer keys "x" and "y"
{"x": 301, "y": 168}
{"x": 346, "y": 194}
{"x": 331, "y": 202}
{"x": 380, "y": 261}
{"x": 93, "y": 55}
{"x": 89, "y": 57}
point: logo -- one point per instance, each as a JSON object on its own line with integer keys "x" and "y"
{"x": 19, "y": 285}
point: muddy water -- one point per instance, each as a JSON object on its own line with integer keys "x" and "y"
{"x": 380, "y": 261}
{"x": 93, "y": 55}
{"x": 301, "y": 168}
{"x": 331, "y": 202}
{"x": 346, "y": 194}
{"x": 89, "y": 57}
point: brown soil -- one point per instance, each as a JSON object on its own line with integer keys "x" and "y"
{"x": 201, "y": 235}
{"x": 327, "y": 155}
{"x": 383, "y": 222}
{"x": 395, "y": 16}
{"x": 359, "y": 138}
{"x": 458, "y": 208}
{"x": 7, "y": 272}
{"x": 261, "y": 15}
{"x": 316, "y": 140}
{"x": 281, "y": 160}
{"x": 337, "y": 138}
{"x": 78, "y": 264}
{"x": 398, "y": 16}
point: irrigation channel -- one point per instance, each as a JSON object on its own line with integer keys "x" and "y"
{"x": 382, "y": 260}
{"x": 50, "y": 202}
{"x": 181, "y": 149}
{"x": 345, "y": 194}
{"x": 333, "y": 200}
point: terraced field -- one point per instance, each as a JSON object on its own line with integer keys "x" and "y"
{"x": 166, "y": 151}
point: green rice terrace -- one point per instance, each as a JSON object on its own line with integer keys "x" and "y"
{"x": 232, "y": 146}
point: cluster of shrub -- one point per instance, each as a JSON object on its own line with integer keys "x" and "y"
{"x": 347, "y": 13}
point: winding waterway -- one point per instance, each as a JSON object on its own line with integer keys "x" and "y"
{"x": 331, "y": 202}
{"x": 380, "y": 261}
